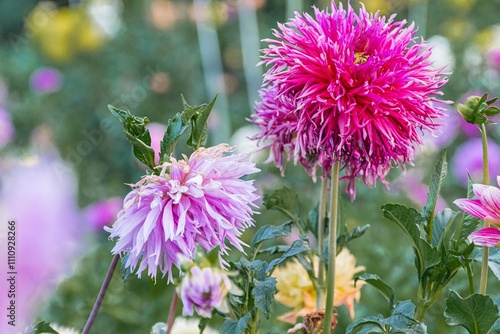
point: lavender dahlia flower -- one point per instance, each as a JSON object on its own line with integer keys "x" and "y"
{"x": 200, "y": 200}
{"x": 352, "y": 88}
{"x": 203, "y": 290}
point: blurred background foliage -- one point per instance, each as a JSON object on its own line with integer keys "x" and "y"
{"x": 62, "y": 62}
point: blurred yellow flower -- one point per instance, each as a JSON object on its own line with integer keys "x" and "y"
{"x": 296, "y": 290}
{"x": 62, "y": 33}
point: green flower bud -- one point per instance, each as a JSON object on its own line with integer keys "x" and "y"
{"x": 476, "y": 109}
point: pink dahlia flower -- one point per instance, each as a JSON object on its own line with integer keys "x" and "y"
{"x": 360, "y": 86}
{"x": 487, "y": 204}
{"x": 203, "y": 290}
{"x": 488, "y": 236}
{"x": 201, "y": 200}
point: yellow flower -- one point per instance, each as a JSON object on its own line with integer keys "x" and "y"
{"x": 296, "y": 290}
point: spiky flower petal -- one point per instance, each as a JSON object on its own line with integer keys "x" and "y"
{"x": 350, "y": 88}
{"x": 201, "y": 200}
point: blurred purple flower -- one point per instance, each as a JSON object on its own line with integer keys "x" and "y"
{"x": 468, "y": 158}
{"x": 6, "y": 127}
{"x": 43, "y": 205}
{"x": 412, "y": 184}
{"x": 103, "y": 213}
{"x": 488, "y": 237}
{"x": 203, "y": 290}
{"x": 493, "y": 58}
{"x": 46, "y": 80}
{"x": 156, "y": 131}
{"x": 361, "y": 87}
{"x": 200, "y": 200}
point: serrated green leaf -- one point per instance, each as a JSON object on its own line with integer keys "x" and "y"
{"x": 42, "y": 327}
{"x": 125, "y": 271}
{"x": 270, "y": 232}
{"x": 380, "y": 285}
{"x": 135, "y": 129}
{"x": 297, "y": 247}
{"x": 263, "y": 293}
{"x": 476, "y": 313}
{"x": 175, "y": 128}
{"x": 231, "y": 326}
{"x": 440, "y": 171}
{"x": 355, "y": 233}
{"x": 284, "y": 200}
{"x": 274, "y": 249}
{"x": 198, "y": 124}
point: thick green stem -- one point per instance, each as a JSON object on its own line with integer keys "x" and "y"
{"x": 321, "y": 243}
{"x": 486, "y": 180}
{"x": 332, "y": 249}
{"x": 255, "y": 322}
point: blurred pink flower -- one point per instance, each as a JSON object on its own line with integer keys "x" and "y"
{"x": 200, "y": 200}
{"x": 203, "y": 290}
{"x": 488, "y": 237}
{"x": 6, "y": 127}
{"x": 493, "y": 58}
{"x": 46, "y": 80}
{"x": 42, "y": 203}
{"x": 156, "y": 131}
{"x": 487, "y": 204}
{"x": 468, "y": 158}
{"x": 361, "y": 87}
{"x": 103, "y": 213}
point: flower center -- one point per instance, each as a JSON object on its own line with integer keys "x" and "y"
{"x": 361, "y": 58}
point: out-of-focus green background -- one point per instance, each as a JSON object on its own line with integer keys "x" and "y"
{"x": 62, "y": 63}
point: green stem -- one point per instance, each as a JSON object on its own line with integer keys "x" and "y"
{"x": 486, "y": 180}
{"x": 332, "y": 249}
{"x": 171, "y": 313}
{"x": 470, "y": 277}
{"x": 321, "y": 244}
{"x": 255, "y": 322}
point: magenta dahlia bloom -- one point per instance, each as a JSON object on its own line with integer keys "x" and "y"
{"x": 203, "y": 290}
{"x": 361, "y": 88}
{"x": 201, "y": 200}
{"x": 488, "y": 237}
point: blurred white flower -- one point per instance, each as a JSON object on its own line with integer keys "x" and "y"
{"x": 106, "y": 15}
{"x": 442, "y": 55}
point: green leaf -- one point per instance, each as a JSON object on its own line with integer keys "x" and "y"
{"x": 274, "y": 249}
{"x": 203, "y": 324}
{"x": 401, "y": 321}
{"x": 493, "y": 259}
{"x": 231, "y": 326}
{"x": 135, "y": 129}
{"x": 263, "y": 294}
{"x": 297, "y": 247}
{"x": 380, "y": 285}
{"x": 284, "y": 200}
{"x": 445, "y": 225}
{"x": 175, "y": 128}
{"x": 437, "y": 179}
{"x": 270, "y": 232}
{"x": 125, "y": 271}
{"x": 355, "y": 233}
{"x": 312, "y": 221}
{"x": 476, "y": 313}
{"x": 198, "y": 123}
{"x": 42, "y": 327}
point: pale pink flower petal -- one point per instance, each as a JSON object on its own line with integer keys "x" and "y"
{"x": 488, "y": 237}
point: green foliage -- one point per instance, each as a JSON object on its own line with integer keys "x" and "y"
{"x": 263, "y": 294}
{"x": 198, "y": 123}
{"x": 270, "y": 232}
{"x": 477, "y": 313}
{"x": 401, "y": 321}
{"x": 124, "y": 270}
{"x": 350, "y": 235}
{"x": 284, "y": 200}
{"x": 476, "y": 110}
{"x": 381, "y": 286}
{"x": 297, "y": 247}
{"x": 42, "y": 327}
{"x": 138, "y": 135}
{"x": 231, "y": 326}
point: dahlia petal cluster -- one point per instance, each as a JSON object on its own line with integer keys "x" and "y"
{"x": 203, "y": 289}
{"x": 296, "y": 290}
{"x": 197, "y": 200}
{"x": 357, "y": 89}
{"x": 487, "y": 207}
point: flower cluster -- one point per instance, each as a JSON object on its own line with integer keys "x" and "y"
{"x": 349, "y": 88}
{"x": 203, "y": 289}
{"x": 486, "y": 206}
{"x": 296, "y": 290}
{"x": 201, "y": 200}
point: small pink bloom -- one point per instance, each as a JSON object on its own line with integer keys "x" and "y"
{"x": 46, "y": 80}
{"x": 103, "y": 213}
{"x": 353, "y": 88}
{"x": 156, "y": 131}
{"x": 487, "y": 204}
{"x": 488, "y": 237}
{"x": 6, "y": 127}
{"x": 201, "y": 200}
